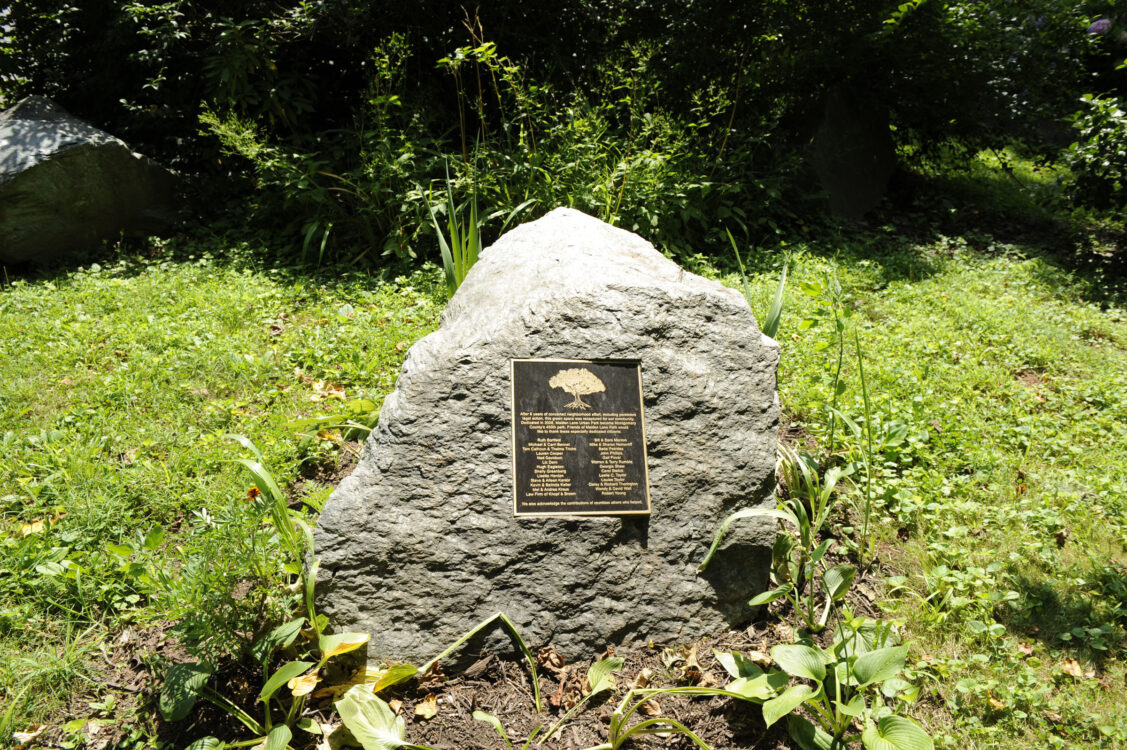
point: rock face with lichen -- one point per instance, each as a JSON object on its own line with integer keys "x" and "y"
{"x": 65, "y": 185}
{"x": 420, "y": 543}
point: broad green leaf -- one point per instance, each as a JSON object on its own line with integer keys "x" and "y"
{"x": 855, "y": 707}
{"x": 207, "y": 743}
{"x": 279, "y": 637}
{"x": 800, "y": 661}
{"x": 809, "y": 736}
{"x": 308, "y": 725}
{"x": 600, "y": 677}
{"x": 769, "y": 596}
{"x": 836, "y": 581}
{"x": 371, "y": 721}
{"x": 341, "y": 643}
{"x": 879, "y": 665}
{"x": 154, "y": 538}
{"x": 393, "y": 676}
{"x": 896, "y": 733}
{"x": 792, "y": 698}
{"x": 278, "y": 738}
{"x": 121, "y": 550}
{"x": 181, "y": 688}
{"x": 759, "y": 688}
{"x": 285, "y": 673}
{"x": 737, "y": 665}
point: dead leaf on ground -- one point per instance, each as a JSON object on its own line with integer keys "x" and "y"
{"x": 428, "y": 707}
{"x": 551, "y": 661}
{"x": 651, "y": 708}
{"x": 25, "y": 737}
{"x": 643, "y": 678}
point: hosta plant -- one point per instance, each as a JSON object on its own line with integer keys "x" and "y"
{"x": 851, "y": 691}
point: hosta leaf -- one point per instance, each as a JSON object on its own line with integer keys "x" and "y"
{"x": 896, "y": 733}
{"x": 809, "y": 736}
{"x": 393, "y": 676}
{"x": 769, "y": 596}
{"x": 800, "y": 661}
{"x": 600, "y": 677}
{"x": 792, "y": 698}
{"x": 206, "y": 743}
{"x": 836, "y": 580}
{"x": 285, "y": 673}
{"x": 737, "y": 665}
{"x": 182, "y": 684}
{"x": 371, "y": 721}
{"x": 759, "y": 688}
{"x": 879, "y": 665}
{"x": 308, "y": 725}
{"x": 855, "y": 707}
{"x": 341, "y": 643}
{"x": 279, "y": 637}
{"x": 278, "y": 738}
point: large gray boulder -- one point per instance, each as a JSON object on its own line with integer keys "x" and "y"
{"x": 65, "y": 185}
{"x": 420, "y": 543}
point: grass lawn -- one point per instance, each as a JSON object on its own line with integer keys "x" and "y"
{"x": 998, "y": 379}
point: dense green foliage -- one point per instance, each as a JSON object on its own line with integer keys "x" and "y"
{"x": 336, "y": 121}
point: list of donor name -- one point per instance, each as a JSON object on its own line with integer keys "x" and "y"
{"x": 606, "y": 468}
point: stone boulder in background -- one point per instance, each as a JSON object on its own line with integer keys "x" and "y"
{"x": 65, "y": 185}
{"x": 421, "y": 543}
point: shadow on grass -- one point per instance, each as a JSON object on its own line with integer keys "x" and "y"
{"x": 1089, "y": 623}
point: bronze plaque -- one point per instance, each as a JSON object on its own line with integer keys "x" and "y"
{"x": 579, "y": 438}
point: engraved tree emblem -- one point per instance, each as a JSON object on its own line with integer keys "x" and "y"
{"x": 578, "y": 382}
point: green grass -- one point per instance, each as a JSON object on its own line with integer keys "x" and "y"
{"x": 119, "y": 385}
{"x": 999, "y": 385}
{"x": 1004, "y": 515}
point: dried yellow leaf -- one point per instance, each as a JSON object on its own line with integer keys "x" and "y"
{"x": 428, "y": 707}
{"x": 304, "y": 684}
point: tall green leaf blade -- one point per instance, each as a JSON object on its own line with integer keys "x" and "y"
{"x": 740, "y": 514}
{"x": 879, "y": 665}
{"x": 494, "y": 722}
{"x": 896, "y": 733}
{"x": 775, "y": 311}
{"x": 792, "y": 698}
{"x": 800, "y": 661}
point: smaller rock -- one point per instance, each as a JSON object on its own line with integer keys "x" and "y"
{"x": 65, "y": 185}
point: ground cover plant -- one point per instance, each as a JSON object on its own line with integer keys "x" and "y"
{"x": 989, "y": 457}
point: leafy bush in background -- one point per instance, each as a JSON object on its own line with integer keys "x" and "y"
{"x": 1098, "y": 158}
{"x": 334, "y": 121}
